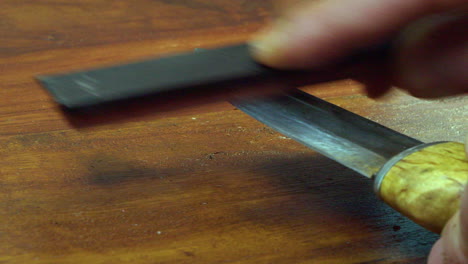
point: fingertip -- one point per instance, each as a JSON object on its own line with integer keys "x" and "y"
{"x": 294, "y": 40}
{"x": 267, "y": 47}
{"x": 454, "y": 239}
{"x": 275, "y": 46}
{"x": 436, "y": 255}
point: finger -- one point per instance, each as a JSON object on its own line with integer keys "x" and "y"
{"x": 316, "y": 32}
{"x": 453, "y": 244}
{"x": 375, "y": 78}
{"x": 432, "y": 57}
{"x": 436, "y": 255}
{"x": 448, "y": 248}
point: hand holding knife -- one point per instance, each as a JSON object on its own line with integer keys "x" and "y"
{"x": 423, "y": 181}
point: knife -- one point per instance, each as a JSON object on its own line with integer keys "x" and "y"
{"x": 423, "y": 181}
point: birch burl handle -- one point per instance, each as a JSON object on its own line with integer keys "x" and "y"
{"x": 425, "y": 183}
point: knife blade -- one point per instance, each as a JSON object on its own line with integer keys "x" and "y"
{"x": 354, "y": 141}
{"x": 421, "y": 180}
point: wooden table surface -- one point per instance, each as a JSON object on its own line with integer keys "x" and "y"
{"x": 201, "y": 184}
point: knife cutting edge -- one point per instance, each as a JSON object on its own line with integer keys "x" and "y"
{"x": 422, "y": 181}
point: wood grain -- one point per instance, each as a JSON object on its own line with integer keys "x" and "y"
{"x": 202, "y": 184}
{"x": 426, "y": 185}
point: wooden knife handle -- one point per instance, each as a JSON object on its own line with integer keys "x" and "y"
{"x": 425, "y": 183}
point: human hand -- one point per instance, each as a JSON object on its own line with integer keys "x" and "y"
{"x": 452, "y": 247}
{"x": 430, "y": 58}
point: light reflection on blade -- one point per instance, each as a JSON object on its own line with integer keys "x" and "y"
{"x": 352, "y": 140}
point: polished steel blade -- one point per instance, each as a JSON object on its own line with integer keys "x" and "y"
{"x": 354, "y": 141}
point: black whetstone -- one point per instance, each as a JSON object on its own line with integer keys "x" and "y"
{"x": 201, "y": 71}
